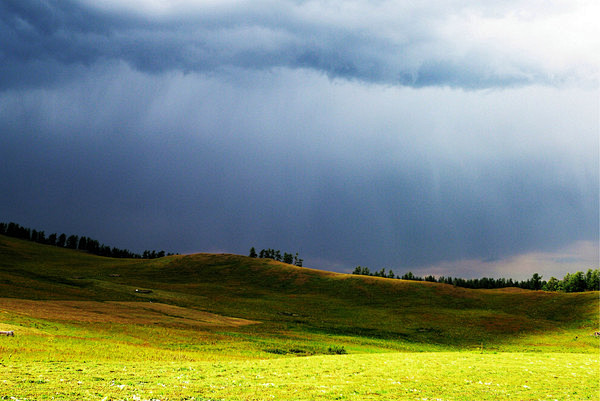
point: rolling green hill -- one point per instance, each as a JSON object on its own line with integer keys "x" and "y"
{"x": 228, "y": 327}
{"x": 294, "y": 309}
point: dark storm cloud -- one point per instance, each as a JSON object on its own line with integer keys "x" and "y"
{"x": 344, "y": 174}
{"x": 48, "y": 41}
{"x": 217, "y": 127}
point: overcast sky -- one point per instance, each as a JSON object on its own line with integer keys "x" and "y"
{"x": 456, "y": 138}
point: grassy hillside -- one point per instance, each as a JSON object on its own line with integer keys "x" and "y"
{"x": 288, "y": 305}
{"x": 230, "y": 327}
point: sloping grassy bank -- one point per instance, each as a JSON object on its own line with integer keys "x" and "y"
{"x": 231, "y": 327}
{"x": 288, "y": 303}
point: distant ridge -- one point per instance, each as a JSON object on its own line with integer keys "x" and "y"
{"x": 296, "y": 301}
{"x": 81, "y": 243}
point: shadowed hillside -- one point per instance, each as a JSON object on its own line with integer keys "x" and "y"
{"x": 279, "y": 308}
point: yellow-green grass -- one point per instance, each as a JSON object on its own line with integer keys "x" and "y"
{"x": 226, "y": 316}
{"x": 391, "y": 376}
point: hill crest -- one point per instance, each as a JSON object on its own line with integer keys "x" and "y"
{"x": 298, "y": 300}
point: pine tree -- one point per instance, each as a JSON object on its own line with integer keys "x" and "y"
{"x": 536, "y": 282}
{"x": 82, "y": 243}
{"x": 408, "y": 276}
{"x": 593, "y": 280}
{"x": 552, "y": 285}
{"x": 72, "y": 242}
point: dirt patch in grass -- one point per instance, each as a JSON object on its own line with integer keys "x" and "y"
{"x": 118, "y": 312}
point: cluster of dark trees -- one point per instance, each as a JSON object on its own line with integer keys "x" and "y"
{"x": 276, "y": 255}
{"x": 74, "y": 242}
{"x": 365, "y": 271}
{"x": 572, "y": 282}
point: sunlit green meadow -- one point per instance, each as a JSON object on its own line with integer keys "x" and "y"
{"x": 388, "y": 376}
{"x": 226, "y": 327}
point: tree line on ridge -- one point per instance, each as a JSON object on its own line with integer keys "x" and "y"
{"x": 81, "y": 243}
{"x": 276, "y": 255}
{"x": 571, "y": 282}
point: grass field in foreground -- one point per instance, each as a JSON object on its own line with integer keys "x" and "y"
{"x": 234, "y": 328}
{"x": 391, "y": 376}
